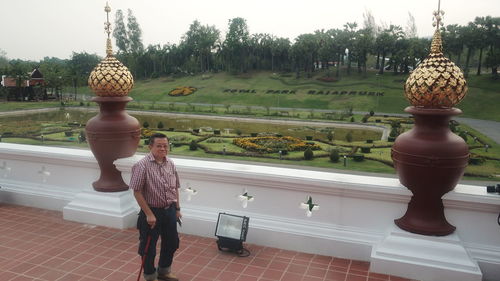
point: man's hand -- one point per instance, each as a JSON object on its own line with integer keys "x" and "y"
{"x": 151, "y": 219}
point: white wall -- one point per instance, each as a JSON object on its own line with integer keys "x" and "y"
{"x": 356, "y": 212}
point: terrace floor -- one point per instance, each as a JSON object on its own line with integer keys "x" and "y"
{"x": 37, "y": 244}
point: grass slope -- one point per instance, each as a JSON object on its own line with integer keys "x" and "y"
{"x": 480, "y": 103}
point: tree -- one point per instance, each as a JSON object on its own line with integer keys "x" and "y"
{"x": 470, "y": 35}
{"x": 280, "y": 49}
{"x": 453, "y": 42}
{"x": 385, "y": 42}
{"x": 79, "y": 67}
{"x": 362, "y": 46}
{"x": 304, "y": 52}
{"x": 482, "y": 40}
{"x": 488, "y": 36}
{"x": 369, "y": 23}
{"x": 236, "y": 45}
{"x": 120, "y": 33}
{"x": 56, "y": 74}
{"x": 200, "y": 41}
{"x": 350, "y": 36}
{"x": 4, "y": 62}
{"x": 493, "y": 61}
{"x": 411, "y": 27}
{"x": 134, "y": 33}
{"x": 19, "y": 70}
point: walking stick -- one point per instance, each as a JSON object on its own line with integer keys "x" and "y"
{"x": 144, "y": 255}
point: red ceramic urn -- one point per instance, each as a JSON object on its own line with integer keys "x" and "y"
{"x": 112, "y": 134}
{"x": 429, "y": 160}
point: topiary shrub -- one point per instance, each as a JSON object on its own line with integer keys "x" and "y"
{"x": 197, "y": 131}
{"x": 145, "y": 124}
{"x": 476, "y": 160}
{"x": 329, "y": 136}
{"x": 369, "y": 141}
{"x": 238, "y": 132}
{"x": 253, "y": 135}
{"x": 352, "y": 119}
{"x": 372, "y": 113}
{"x": 334, "y": 156}
{"x": 348, "y": 136}
{"x": 453, "y": 126}
{"x": 160, "y": 125}
{"x": 193, "y": 145}
{"x": 82, "y": 137}
{"x": 216, "y": 132}
{"x": 308, "y": 154}
{"x": 463, "y": 135}
{"x": 365, "y": 149}
{"x": 394, "y": 132}
{"x": 68, "y": 133}
{"x": 309, "y": 138}
{"x": 358, "y": 157}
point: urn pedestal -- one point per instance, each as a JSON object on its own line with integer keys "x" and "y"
{"x": 429, "y": 160}
{"x": 112, "y": 134}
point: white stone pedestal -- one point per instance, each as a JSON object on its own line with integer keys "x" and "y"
{"x": 420, "y": 257}
{"x": 111, "y": 209}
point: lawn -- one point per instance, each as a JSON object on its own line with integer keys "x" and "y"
{"x": 152, "y": 95}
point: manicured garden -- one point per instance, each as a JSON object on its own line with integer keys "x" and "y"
{"x": 306, "y": 145}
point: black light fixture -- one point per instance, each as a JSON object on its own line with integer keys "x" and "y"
{"x": 231, "y": 231}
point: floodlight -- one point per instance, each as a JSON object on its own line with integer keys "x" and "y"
{"x": 232, "y": 232}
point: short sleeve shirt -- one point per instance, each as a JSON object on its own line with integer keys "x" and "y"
{"x": 158, "y": 183}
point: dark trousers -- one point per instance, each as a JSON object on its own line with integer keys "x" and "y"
{"x": 166, "y": 228}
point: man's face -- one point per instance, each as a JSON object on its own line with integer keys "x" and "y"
{"x": 159, "y": 148}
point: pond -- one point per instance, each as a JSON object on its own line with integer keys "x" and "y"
{"x": 46, "y": 122}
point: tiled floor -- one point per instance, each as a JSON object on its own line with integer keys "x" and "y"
{"x": 38, "y": 244}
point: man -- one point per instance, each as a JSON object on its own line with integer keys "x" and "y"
{"x": 156, "y": 188}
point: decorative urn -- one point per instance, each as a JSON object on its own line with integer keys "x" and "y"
{"x": 112, "y": 134}
{"x": 430, "y": 159}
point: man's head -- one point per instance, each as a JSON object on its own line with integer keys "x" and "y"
{"x": 158, "y": 145}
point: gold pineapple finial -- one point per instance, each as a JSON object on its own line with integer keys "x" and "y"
{"x": 437, "y": 82}
{"x": 110, "y": 78}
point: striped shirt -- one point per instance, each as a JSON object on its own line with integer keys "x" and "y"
{"x": 158, "y": 183}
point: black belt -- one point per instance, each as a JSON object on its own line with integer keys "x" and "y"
{"x": 161, "y": 208}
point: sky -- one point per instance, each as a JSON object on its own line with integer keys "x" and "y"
{"x": 34, "y": 29}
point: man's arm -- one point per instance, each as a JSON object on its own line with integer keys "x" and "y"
{"x": 137, "y": 183}
{"x": 150, "y": 217}
{"x": 178, "y": 203}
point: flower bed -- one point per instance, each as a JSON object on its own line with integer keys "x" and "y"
{"x": 182, "y": 91}
{"x": 274, "y": 144}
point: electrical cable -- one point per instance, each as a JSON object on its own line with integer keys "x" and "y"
{"x": 243, "y": 252}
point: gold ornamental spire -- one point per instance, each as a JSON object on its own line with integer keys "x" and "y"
{"x": 107, "y": 28}
{"x": 437, "y": 82}
{"x": 110, "y": 78}
{"x": 437, "y": 43}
